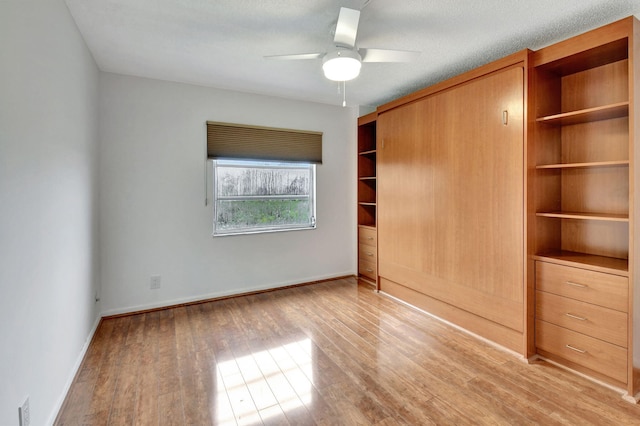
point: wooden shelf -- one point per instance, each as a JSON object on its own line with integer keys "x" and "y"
{"x": 584, "y": 165}
{"x": 372, "y": 227}
{"x": 605, "y": 112}
{"x": 372, "y": 152}
{"x": 586, "y": 261}
{"x": 586, "y": 216}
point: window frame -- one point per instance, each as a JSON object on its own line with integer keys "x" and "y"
{"x": 263, "y": 164}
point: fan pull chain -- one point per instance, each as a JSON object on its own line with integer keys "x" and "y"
{"x": 344, "y": 94}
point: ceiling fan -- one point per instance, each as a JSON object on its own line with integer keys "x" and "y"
{"x": 343, "y": 63}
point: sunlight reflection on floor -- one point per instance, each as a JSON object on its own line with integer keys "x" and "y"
{"x": 264, "y": 384}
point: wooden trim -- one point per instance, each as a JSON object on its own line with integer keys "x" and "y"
{"x": 367, "y": 281}
{"x": 633, "y": 387}
{"x": 607, "y": 34}
{"x": 529, "y": 303}
{"x": 231, "y": 296}
{"x": 518, "y": 58}
{"x": 587, "y": 372}
{"x": 368, "y": 118}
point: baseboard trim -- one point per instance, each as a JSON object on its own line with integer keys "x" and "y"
{"x": 592, "y": 379}
{"x": 211, "y": 298}
{"x": 74, "y": 372}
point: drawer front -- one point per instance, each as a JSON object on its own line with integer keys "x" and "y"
{"x": 592, "y": 320}
{"x": 603, "y": 357}
{"x": 367, "y": 269}
{"x": 588, "y": 286}
{"x": 368, "y": 237}
{"x": 368, "y": 253}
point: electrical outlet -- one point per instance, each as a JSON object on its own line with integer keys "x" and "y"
{"x": 23, "y": 414}
{"x": 155, "y": 282}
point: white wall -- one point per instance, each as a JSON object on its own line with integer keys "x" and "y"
{"x": 48, "y": 214}
{"x": 153, "y": 218}
{"x": 151, "y": 215}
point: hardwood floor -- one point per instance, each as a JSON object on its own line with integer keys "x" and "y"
{"x": 328, "y": 353}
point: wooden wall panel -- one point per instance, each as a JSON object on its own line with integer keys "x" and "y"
{"x": 451, "y": 196}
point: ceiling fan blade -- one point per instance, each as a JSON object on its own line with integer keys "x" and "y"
{"x": 347, "y": 27}
{"x": 383, "y": 55}
{"x": 296, "y": 56}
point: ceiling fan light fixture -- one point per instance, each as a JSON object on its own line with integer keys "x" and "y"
{"x": 341, "y": 65}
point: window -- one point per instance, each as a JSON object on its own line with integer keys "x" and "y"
{"x": 262, "y": 196}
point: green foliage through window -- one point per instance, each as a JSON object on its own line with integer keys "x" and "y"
{"x": 254, "y": 197}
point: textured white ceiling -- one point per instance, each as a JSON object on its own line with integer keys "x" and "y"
{"x": 221, "y": 43}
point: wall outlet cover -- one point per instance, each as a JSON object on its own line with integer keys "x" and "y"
{"x": 155, "y": 282}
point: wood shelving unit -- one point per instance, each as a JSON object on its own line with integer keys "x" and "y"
{"x": 581, "y": 160}
{"x": 367, "y": 198}
{"x": 582, "y": 150}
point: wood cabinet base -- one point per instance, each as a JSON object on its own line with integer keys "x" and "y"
{"x": 490, "y": 330}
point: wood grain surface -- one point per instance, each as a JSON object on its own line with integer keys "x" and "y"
{"x": 329, "y": 353}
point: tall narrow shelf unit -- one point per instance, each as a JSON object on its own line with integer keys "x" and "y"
{"x": 367, "y": 199}
{"x": 581, "y": 214}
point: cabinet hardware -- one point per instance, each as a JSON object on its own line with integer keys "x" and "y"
{"x": 582, "y": 351}
{"x": 369, "y": 270}
{"x": 369, "y": 238}
{"x": 571, "y": 283}
{"x": 369, "y": 253}
{"x": 575, "y": 317}
{"x": 505, "y": 117}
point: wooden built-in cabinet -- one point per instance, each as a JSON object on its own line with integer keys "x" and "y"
{"x": 367, "y": 199}
{"x": 581, "y": 319}
{"x": 504, "y": 201}
{"x": 451, "y": 201}
{"x": 367, "y": 253}
{"x": 581, "y": 230}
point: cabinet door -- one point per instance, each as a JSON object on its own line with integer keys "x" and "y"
{"x": 451, "y": 198}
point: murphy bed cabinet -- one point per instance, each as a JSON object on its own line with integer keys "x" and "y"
{"x": 451, "y": 200}
{"x": 367, "y": 189}
{"x": 582, "y": 161}
{"x": 504, "y": 201}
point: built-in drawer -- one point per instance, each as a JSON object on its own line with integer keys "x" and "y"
{"x": 368, "y": 236}
{"x": 599, "y": 356}
{"x": 588, "y": 286}
{"x": 593, "y": 320}
{"x": 368, "y": 253}
{"x": 367, "y": 269}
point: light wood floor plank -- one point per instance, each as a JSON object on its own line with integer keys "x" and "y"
{"x": 329, "y": 353}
